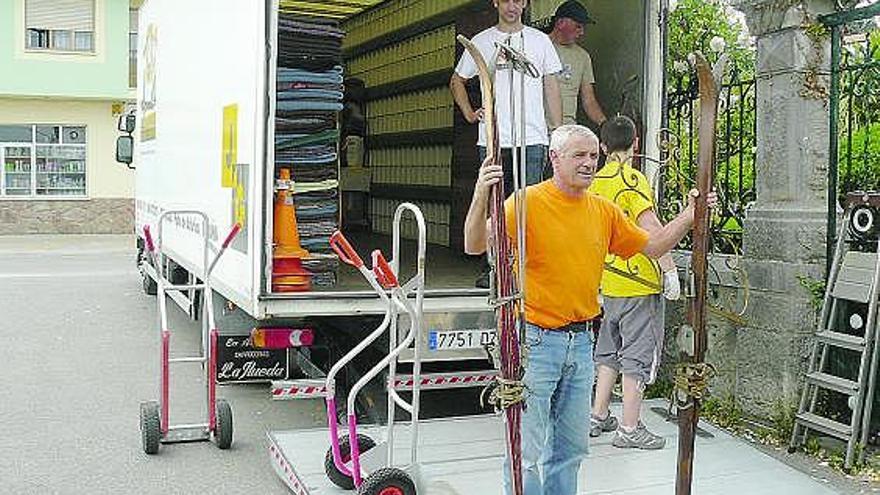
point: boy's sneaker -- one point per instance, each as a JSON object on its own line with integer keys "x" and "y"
{"x": 598, "y": 425}
{"x": 640, "y": 438}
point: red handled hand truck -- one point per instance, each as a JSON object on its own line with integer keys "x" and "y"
{"x": 156, "y": 427}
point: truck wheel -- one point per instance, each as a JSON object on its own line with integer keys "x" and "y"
{"x": 151, "y": 430}
{"x": 223, "y": 428}
{"x": 150, "y": 286}
{"x": 388, "y": 481}
{"x": 339, "y": 479}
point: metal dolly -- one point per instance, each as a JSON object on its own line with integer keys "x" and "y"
{"x": 155, "y": 424}
{"x": 344, "y": 470}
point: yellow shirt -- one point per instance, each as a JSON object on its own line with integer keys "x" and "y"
{"x": 566, "y": 243}
{"x": 630, "y": 190}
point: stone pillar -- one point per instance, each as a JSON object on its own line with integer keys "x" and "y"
{"x": 784, "y": 234}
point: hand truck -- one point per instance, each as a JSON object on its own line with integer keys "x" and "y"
{"x": 155, "y": 423}
{"x": 343, "y": 461}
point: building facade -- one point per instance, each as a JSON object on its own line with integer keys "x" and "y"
{"x": 65, "y": 68}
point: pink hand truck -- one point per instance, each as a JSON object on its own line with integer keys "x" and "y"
{"x": 154, "y": 418}
{"x": 343, "y": 461}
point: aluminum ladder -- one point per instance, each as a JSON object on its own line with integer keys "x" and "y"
{"x": 852, "y": 288}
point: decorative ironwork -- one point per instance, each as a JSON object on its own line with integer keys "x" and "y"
{"x": 734, "y": 168}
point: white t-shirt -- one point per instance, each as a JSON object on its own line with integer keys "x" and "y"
{"x": 540, "y": 51}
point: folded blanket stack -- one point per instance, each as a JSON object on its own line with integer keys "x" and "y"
{"x": 309, "y": 96}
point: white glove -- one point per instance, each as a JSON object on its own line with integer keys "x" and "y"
{"x": 671, "y": 285}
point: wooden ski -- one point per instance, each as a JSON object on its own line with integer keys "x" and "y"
{"x": 692, "y": 376}
{"x": 508, "y": 391}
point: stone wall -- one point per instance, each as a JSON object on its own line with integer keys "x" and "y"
{"x": 93, "y": 216}
{"x": 759, "y": 330}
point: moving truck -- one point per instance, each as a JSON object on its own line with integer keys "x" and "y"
{"x": 209, "y": 136}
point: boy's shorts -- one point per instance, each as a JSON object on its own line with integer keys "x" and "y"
{"x": 631, "y": 336}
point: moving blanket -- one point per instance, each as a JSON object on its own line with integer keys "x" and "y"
{"x": 321, "y": 244}
{"x": 306, "y": 62}
{"x": 307, "y": 94}
{"x": 292, "y": 43}
{"x": 322, "y": 228}
{"x": 332, "y": 76}
{"x": 324, "y": 211}
{"x": 284, "y": 159}
{"x": 314, "y": 174}
{"x": 304, "y": 122}
{"x": 309, "y": 85}
{"x": 316, "y": 196}
{"x": 294, "y": 105}
{"x": 331, "y": 136}
{"x": 294, "y": 25}
{"x": 303, "y": 126}
{"x": 303, "y": 150}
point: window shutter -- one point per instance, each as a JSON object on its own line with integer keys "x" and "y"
{"x": 61, "y": 15}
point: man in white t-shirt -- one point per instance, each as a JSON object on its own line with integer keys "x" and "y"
{"x": 543, "y": 102}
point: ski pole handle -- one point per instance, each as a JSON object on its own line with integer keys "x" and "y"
{"x": 149, "y": 238}
{"x": 232, "y": 233}
{"x": 344, "y": 250}
{"x": 384, "y": 274}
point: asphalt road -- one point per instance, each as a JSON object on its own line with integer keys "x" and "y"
{"x": 80, "y": 351}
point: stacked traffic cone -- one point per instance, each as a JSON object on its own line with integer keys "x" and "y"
{"x": 288, "y": 273}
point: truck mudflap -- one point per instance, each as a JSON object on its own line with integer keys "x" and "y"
{"x": 314, "y": 389}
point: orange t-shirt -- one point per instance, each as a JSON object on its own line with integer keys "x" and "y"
{"x": 566, "y": 243}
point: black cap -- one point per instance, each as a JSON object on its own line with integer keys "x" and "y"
{"x": 573, "y": 10}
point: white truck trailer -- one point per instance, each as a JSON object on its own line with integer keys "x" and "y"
{"x": 206, "y": 139}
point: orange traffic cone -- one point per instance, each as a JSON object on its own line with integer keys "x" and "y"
{"x": 288, "y": 273}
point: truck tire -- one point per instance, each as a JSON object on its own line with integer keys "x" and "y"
{"x": 149, "y": 285}
{"x": 151, "y": 429}
{"x": 388, "y": 481}
{"x": 339, "y": 479}
{"x": 223, "y": 428}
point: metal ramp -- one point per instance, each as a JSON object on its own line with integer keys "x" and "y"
{"x": 847, "y": 327}
{"x": 463, "y": 456}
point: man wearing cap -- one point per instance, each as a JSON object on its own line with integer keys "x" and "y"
{"x": 576, "y": 77}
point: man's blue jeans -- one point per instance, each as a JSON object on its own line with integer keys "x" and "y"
{"x": 555, "y": 424}
{"x": 536, "y": 158}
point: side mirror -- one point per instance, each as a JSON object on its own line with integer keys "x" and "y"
{"x": 124, "y": 149}
{"x": 126, "y": 123}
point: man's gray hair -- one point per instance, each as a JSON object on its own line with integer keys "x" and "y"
{"x": 561, "y": 135}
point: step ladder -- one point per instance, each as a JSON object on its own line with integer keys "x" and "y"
{"x": 852, "y": 287}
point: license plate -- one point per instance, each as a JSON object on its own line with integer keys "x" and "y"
{"x": 439, "y": 340}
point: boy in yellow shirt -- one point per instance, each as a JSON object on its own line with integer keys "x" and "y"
{"x": 631, "y": 336}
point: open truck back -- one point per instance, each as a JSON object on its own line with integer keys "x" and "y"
{"x": 209, "y": 137}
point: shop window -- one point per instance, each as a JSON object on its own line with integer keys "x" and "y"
{"x": 42, "y": 161}
{"x": 61, "y": 25}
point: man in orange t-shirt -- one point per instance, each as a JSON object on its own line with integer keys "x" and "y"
{"x": 568, "y": 232}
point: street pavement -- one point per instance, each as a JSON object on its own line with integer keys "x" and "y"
{"x": 80, "y": 351}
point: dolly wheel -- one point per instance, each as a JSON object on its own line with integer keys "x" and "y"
{"x": 151, "y": 430}
{"x": 388, "y": 481}
{"x": 223, "y": 429}
{"x": 339, "y": 479}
